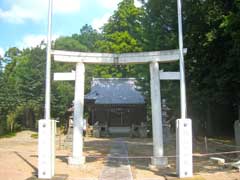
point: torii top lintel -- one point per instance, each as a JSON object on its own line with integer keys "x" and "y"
{"x": 111, "y": 58}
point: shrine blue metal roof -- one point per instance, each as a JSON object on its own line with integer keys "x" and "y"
{"x": 115, "y": 91}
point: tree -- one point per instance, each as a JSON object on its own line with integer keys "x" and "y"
{"x": 212, "y": 37}
{"x": 69, "y": 43}
{"x": 121, "y": 35}
{"x": 160, "y": 25}
{"x": 22, "y": 87}
{"x": 88, "y": 37}
{"x": 211, "y": 64}
{"x": 127, "y": 18}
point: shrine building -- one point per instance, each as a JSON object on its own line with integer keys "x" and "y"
{"x": 116, "y": 105}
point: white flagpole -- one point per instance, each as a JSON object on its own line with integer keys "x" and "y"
{"x": 183, "y": 126}
{"x": 181, "y": 63}
{"x": 48, "y": 64}
{"x": 46, "y": 127}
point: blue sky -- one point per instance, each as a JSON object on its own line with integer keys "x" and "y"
{"x": 23, "y": 23}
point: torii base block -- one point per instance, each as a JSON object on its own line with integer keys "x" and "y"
{"x": 159, "y": 162}
{"x": 46, "y": 148}
{"x": 76, "y": 161}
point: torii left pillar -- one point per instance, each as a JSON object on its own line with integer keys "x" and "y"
{"x": 77, "y": 157}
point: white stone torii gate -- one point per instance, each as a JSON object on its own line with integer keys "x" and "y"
{"x": 81, "y": 58}
{"x": 46, "y": 142}
{"x": 153, "y": 58}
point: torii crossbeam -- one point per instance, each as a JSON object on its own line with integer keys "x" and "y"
{"x": 112, "y": 58}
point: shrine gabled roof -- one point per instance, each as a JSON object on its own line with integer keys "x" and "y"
{"x": 115, "y": 91}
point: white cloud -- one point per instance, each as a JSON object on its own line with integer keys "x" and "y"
{"x": 112, "y": 4}
{"x": 31, "y": 40}
{"x": 66, "y": 6}
{"x": 36, "y": 10}
{"x": 1, "y": 52}
{"x": 97, "y": 23}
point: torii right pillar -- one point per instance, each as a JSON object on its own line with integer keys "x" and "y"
{"x": 158, "y": 160}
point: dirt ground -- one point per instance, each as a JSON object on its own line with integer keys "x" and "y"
{"x": 18, "y": 159}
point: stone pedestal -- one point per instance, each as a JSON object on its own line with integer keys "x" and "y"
{"x": 96, "y": 132}
{"x": 166, "y": 123}
{"x": 143, "y": 131}
{"x": 166, "y": 133}
{"x": 139, "y": 130}
{"x": 101, "y": 130}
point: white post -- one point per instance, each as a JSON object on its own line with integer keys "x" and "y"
{"x": 77, "y": 151}
{"x": 184, "y": 126}
{"x": 157, "y": 160}
{"x": 46, "y": 127}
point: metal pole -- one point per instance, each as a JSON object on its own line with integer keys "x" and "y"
{"x": 48, "y": 64}
{"x": 181, "y": 63}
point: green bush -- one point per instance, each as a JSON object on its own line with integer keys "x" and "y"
{"x": 34, "y": 136}
{"x": 8, "y": 135}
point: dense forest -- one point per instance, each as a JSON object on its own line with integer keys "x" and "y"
{"x": 211, "y": 34}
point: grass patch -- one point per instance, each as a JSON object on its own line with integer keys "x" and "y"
{"x": 8, "y": 135}
{"x": 34, "y": 136}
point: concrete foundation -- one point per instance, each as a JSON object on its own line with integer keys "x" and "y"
{"x": 158, "y": 162}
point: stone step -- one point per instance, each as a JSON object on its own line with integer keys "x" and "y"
{"x": 113, "y": 130}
